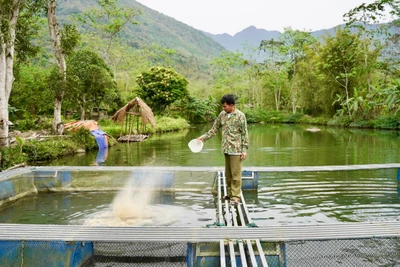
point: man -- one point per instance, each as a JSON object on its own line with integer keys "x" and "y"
{"x": 235, "y": 142}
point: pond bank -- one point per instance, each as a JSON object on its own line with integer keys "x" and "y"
{"x": 30, "y": 147}
{"x": 31, "y": 151}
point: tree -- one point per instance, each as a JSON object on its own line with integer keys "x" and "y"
{"x": 313, "y": 97}
{"x": 339, "y": 63}
{"x": 12, "y": 13}
{"x": 160, "y": 87}
{"x": 59, "y": 57}
{"x": 369, "y": 19}
{"x": 228, "y": 74}
{"x": 62, "y": 46}
{"x": 30, "y": 92}
{"x": 253, "y": 77}
{"x": 293, "y": 47}
{"x": 197, "y": 110}
{"x": 90, "y": 82}
{"x": 362, "y": 19}
{"x": 108, "y": 21}
{"x": 275, "y": 69}
{"x": 9, "y": 15}
{"x": 375, "y": 12}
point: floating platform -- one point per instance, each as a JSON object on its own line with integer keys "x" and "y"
{"x": 133, "y": 138}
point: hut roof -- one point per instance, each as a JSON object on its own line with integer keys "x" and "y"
{"x": 145, "y": 112}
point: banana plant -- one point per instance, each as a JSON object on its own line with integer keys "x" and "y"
{"x": 20, "y": 142}
{"x": 393, "y": 96}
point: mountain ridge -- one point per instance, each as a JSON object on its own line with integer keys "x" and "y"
{"x": 253, "y": 37}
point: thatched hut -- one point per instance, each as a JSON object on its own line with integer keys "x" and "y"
{"x": 129, "y": 116}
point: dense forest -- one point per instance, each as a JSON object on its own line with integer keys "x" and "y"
{"x": 64, "y": 59}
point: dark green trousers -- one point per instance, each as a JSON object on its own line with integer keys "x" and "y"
{"x": 233, "y": 174}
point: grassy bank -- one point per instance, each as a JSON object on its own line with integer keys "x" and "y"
{"x": 28, "y": 152}
{"x": 382, "y": 122}
{"x": 50, "y": 148}
{"x": 31, "y": 151}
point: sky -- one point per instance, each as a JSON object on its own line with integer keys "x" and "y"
{"x": 232, "y": 16}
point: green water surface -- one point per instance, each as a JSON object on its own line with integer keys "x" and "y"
{"x": 304, "y": 197}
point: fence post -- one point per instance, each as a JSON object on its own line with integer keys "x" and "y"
{"x": 398, "y": 177}
{"x": 398, "y": 183}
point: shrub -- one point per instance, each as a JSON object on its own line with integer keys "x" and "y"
{"x": 362, "y": 124}
{"x": 82, "y": 137}
{"x": 340, "y": 121}
{"x": 260, "y": 115}
{"x": 37, "y": 123}
{"x": 11, "y": 156}
{"x": 41, "y": 150}
{"x": 253, "y": 115}
{"x": 292, "y": 118}
{"x": 167, "y": 124}
{"x": 387, "y": 122}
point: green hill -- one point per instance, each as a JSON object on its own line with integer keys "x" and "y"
{"x": 154, "y": 29}
{"x": 156, "y": 35}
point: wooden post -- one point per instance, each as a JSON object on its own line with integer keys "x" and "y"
{"x": 398, "y": 177}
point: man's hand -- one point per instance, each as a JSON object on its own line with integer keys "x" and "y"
{"x": 243, "y": 156}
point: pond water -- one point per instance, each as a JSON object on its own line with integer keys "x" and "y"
{"x": 96, "y": 208}
{"x": 270, "y": 145}
{"x": 282, "y": 198}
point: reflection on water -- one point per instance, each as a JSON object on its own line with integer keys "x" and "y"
{"x": 101, "y": 157}
{"x": 327, "y": 197}
{"x": 270, "y": 145}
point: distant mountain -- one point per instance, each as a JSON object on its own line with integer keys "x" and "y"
{"x": 251, "y": 36}
{"x": 191, "y": 44}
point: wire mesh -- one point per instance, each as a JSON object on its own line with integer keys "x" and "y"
{"x": 138, "y": 254}
{"x": 363, "y": 252}
{"x": 345, "y": 252}
{"x": 370, "y": 252}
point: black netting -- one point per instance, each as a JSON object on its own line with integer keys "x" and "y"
{"x": 351, "y": 252}
{"x": 372, "y": 252}
{"x": 139, "y": 254}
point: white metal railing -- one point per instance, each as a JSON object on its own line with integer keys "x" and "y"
{"x": 219, "y": 168}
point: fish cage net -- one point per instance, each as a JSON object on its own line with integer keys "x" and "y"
{"x": 138, "y": 254}
{"x": 61, "y": 250}
{"x": 340, "y": 252}
{"x": 344, "y": 252}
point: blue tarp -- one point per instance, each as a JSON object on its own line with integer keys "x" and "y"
{"x": 100, "y": 138}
